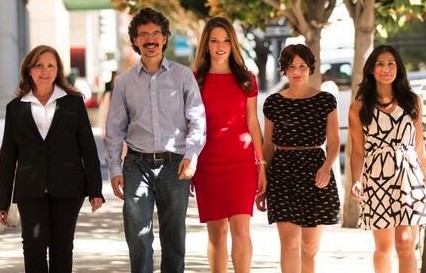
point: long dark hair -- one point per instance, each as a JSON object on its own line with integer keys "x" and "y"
{"x": 402, "y": 93}
{"x": 26, "y": 83}
{"x": 236, "y": 62}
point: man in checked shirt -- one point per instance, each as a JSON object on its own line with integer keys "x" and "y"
{"x": 156, "y": 109}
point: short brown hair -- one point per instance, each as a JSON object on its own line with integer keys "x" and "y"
{"x": 289, "y": 52}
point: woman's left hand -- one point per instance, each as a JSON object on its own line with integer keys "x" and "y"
{"x": 261, "y": 202}
{"x": 96, "y": 203}
{"x": 261, "y": 184}
{"x": 323, "y": 177}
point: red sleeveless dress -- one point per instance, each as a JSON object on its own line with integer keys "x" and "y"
{"x": 226, "y": 177}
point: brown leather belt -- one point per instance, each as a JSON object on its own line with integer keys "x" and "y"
{"x": 164, "y": 156}
{"x": 297, "y": 148}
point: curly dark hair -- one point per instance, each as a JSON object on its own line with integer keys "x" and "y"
{"x": 289, "y": 52}
{"x": 367, "y": 92}
{"x": 146, "y": 16}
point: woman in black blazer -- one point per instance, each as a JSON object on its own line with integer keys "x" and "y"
{"x": 49, "y": 160}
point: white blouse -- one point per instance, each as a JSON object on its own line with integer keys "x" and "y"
{"x": 43, "y": 114}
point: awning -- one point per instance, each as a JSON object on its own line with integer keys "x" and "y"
{"x": 87, "y": 4}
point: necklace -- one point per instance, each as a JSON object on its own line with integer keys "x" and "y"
{"x": 386, "y": 104}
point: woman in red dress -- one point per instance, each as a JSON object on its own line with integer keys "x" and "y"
{"x": 230, "y": 170}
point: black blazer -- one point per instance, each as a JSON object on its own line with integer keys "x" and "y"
{"x": 65, "y": 164}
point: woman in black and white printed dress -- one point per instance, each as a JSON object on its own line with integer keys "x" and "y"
{"x": 388, "y": 159}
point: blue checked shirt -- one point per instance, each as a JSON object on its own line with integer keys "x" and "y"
{"x": 155, "y": 113}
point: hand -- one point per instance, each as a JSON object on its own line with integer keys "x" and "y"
{"x": 261, "y": 184}
{"x": 3, "y": 218}
{"x": 117, "y": 184}
{"x": 185, "y": 171}
{"x": 96, "y": 203}
{"x": 323, "y": 177}
{"x": 261, "y": 202}
{"x": 357, "y": 191}
{"x": 191, "y": 190}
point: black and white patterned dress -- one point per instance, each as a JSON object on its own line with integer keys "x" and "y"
{"x": 394, "y": 190}
{"x": 291, "y": 192}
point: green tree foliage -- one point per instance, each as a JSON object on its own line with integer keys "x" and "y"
{"x": 198, "y": 7}
{"x": 395, "y": 16}
{"x": 184, "y": 19}
{"x": 392, "y": 17}
{"x": 249, "y": 13}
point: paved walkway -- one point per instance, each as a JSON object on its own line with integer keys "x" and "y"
{"x": 100, "y": 245}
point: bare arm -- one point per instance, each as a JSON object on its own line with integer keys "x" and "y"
{"x": 420, "y": 150}
{"x": 357, "y": 152}
{"x": 254, "y": 127}
{"x": 256, "y": 136}
{"x": 268, "y": 145}
{"x": 333, "y": 148}
{"x": 268, "y": 153}
{"x": 333, "y": 138}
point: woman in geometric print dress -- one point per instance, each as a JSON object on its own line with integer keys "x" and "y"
{"x": 301, "y": 192}
{"x": 388, "y": 159}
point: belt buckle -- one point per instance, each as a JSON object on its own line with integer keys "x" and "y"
{"x": 154, "y": 157}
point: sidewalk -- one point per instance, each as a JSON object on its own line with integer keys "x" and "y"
{"x": 100, "y": 246}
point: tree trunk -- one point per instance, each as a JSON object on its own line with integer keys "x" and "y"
{"x": 261, "y": 59}
{"x": 314, "y": 45}
{"x": 363, "y": 16}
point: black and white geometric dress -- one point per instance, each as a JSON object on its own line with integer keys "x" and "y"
{"x": 394, "y": 190}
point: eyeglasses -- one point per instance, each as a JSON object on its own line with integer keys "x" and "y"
{"x": 146, "y": 35}
{"x": 389, "y": 64}
{"x": 301, "y": 67}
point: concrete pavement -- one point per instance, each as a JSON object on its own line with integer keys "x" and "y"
{"x": 100, "y": 245}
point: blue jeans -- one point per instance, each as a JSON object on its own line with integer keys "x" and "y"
{"x": 148, "y": 182}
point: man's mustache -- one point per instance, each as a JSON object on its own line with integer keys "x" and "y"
{"x": 150, "y": 44}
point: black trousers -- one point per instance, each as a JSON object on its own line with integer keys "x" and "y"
{"x": 48, "y": 223}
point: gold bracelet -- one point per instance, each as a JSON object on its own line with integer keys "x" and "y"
{"x": 262, "y": 162}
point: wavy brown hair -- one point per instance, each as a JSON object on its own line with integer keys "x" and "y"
{"x": 367, "y": 92}
{"x": 202, "y": 61}
{"x": 26, "y": 83}
{"x": 289, "y": 52}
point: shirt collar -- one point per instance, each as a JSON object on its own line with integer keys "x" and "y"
{"x": 165, "y": 63}
{"x": 57, "y": 93}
